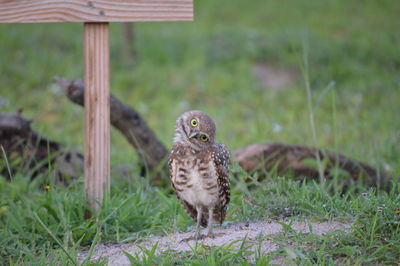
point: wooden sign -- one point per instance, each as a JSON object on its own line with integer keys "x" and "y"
{"x": 95, "y": 14}
{"x": 28, "y": 11}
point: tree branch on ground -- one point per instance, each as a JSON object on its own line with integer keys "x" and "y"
{"x": 300, "y": 162}
{"x": 27, "y": 151}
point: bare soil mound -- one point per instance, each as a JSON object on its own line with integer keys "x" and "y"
{"x": 252, "y": 231}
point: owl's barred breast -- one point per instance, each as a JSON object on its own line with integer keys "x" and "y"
{"x": 195, "y": 180}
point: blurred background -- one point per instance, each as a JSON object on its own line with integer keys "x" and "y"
{"x": 245, "y": 63}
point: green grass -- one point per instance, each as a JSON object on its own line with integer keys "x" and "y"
{"x": 354, "y": 94}
{"x": 40, "y": 226}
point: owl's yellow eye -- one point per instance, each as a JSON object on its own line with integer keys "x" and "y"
{"x": 193, "y": 122}
{"x": 204, "y": 138}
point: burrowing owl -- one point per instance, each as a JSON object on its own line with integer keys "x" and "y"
{"x": 199, "y": 168}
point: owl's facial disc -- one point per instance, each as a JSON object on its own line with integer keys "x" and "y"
{"x": 196, "y": 134}
{"x": 195, "y": 128}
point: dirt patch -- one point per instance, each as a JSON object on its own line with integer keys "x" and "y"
{"x": 272, "y": 78}
{"x": 254, "y": 232}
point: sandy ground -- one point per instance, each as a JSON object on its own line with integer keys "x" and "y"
{"x": 225, "y": 235}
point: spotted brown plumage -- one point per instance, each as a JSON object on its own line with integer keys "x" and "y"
{"x": 199, "y": 168}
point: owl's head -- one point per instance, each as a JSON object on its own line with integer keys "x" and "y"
{"x": 196, "y": 129}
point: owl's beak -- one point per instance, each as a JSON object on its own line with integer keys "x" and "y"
{"x": 193, "y": 135}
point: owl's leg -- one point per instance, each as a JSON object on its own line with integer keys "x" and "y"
{"x": 210, "y": 220}
{"x": 199, "y": 210}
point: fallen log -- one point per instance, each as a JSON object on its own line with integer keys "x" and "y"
{"x": 300, "y": 162}
{"x": 134, "y": 128}
{"x": 23, "y": 150}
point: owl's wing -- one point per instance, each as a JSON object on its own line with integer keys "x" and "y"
{"x": 220, "y": 157}
{"x": 172, "y": 164}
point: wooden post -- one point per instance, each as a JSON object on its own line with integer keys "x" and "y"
{"x": 97, "y": 113}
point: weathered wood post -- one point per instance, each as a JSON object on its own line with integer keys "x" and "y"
{"x": 95, "y": 15}
{"x": 97, "y": 112}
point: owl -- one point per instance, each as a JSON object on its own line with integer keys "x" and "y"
{"x": 199, "y": 170}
